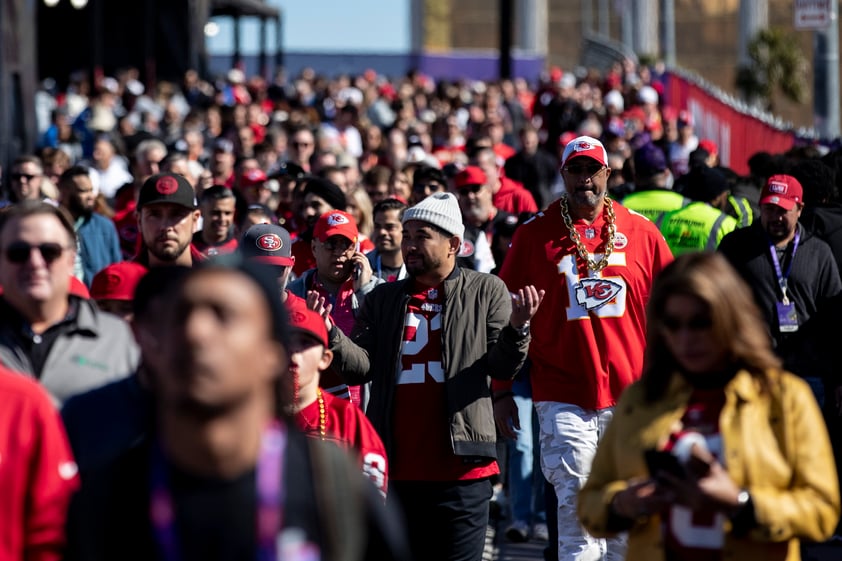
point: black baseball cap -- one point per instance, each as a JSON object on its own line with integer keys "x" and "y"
{"x": 167, "y": 188}
{"x": 267, "y": 243}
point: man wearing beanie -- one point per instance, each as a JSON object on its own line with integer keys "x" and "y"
{"x": 596, "y": 261}
{"x": 427, "y": 346}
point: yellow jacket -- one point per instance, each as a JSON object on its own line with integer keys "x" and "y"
{"x": 775, "y": 445}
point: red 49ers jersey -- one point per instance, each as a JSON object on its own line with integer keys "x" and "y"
{"x": 346, "y": 424}
{"x": 588, "y": 336}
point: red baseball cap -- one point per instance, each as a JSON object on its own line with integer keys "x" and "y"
{"x": 117, "y": 281}
{"x": 709, "y": 146}
{"x": 782, "y": 190}
{"x": 471, "y": 175}
{"x": 584, "y": 146}
{"x": 336, "y": 223}
{"x": 305, "y": 320}
{"x": 253, "y": 177}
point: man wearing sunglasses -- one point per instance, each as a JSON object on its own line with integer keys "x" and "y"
{"x": 25, "y": 179}
{"x": 63, "y": 341}
{"x": 596, "y": 261}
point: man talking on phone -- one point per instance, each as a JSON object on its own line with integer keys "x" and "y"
{"x": 342, "y": 277}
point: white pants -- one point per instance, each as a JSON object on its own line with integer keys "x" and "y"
{"x": 569, "y": 437}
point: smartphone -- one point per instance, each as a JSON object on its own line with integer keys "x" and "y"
{"x": 658, "y": 461}
{"x": 357, "y": 268}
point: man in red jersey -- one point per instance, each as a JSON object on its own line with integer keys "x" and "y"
{"x": 37, "y": 472}
{"x": 596, "y": 261}
{"x": 320, "y": 414}
{"x": 428, "y": 345}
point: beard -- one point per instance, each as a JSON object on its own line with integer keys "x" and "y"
{"x": 586, "y": 198}
{"x": 77, "y": 208}
{"x": 422, "y": 266}
{"x": 168, "y": 253}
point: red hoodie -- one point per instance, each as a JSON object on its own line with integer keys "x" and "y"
{"x": 37, "y": 472}
{"x": 513, "y": 198}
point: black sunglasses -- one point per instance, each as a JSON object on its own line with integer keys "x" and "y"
{"x": 19, "y": 176}
{"x": 697, "y": 323}
{"x": 589, "y": 170}
{"x": 463, "y": 191}
{"x": 19, "y": 252}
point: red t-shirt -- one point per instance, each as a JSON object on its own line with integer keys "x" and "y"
{"x": 688, "y": 535}
{"x": 589, "y": 334}
{"x": 423, "y": 450}
{"x": 208, "y": 250}
{"x": 513, "y": 198}
{"x": 304, "y": 258}
{"x": 37, "y": 472}
{"x": 347, "y": 425}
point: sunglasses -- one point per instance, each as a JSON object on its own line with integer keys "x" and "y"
{"x": 584, "y": 169}
{"x": 697, "y": 323}
{"x": 21, "y": 176}
{"x": 464, "y": 191}
{"x": 342, "y": 245}
{"x": 20, "y": 252}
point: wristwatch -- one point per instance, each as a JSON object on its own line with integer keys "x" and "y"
{"x": 742, "y": 498}
{"x": 523, "y": 330}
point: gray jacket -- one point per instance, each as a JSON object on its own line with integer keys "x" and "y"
{"x": 478, "y": 344}
{"x": 96, "y": 348}
{"x": 302, "y": 284}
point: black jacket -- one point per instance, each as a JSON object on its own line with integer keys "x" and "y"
{"x": 813, "y": 281}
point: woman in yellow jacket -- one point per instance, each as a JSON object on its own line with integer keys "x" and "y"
{"x": 740, "y": 465}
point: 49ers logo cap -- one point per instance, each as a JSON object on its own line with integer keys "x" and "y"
{"x": 267, "y": 243}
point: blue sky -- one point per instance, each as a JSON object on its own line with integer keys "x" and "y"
{"x": 326, "y": 26}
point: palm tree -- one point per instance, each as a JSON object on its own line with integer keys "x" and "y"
{"x": 776, "y": 65}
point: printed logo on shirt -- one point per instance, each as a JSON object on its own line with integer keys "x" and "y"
{"x": 593, "y": 293}
{"x": 620, "y": 240}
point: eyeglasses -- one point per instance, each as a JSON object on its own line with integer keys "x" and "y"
{"x": 337, "y": 244}
{"x": 696, "y": 323}
{"x": 21, "y": 176}
{"x": 585, "y": 169}
{"x": 20, "y": 252}
{"x": 465, "y": 191}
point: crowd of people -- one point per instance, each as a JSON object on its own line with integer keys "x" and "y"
{"x": 358, "y": 317}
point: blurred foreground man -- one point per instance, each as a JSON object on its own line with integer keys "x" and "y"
{"x": 224, "y": 475}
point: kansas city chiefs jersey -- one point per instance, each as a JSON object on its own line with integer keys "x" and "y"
{"x": 588, "y": 336}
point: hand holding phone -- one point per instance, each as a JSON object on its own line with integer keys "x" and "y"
{"x": 659, "y": 461}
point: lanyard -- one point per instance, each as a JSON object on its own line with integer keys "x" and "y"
{"x": 782, "y": 277}
{"x": 270, "y": 497}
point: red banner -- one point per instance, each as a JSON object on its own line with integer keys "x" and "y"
{"x": 738, "y": 136}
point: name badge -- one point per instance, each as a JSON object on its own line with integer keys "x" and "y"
{"x": 787, "y": 317}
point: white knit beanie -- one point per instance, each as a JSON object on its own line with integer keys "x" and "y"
{"x": 440, "y": 209}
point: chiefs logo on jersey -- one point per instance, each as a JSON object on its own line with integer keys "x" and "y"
{"x": 269, "y": 242}
{"x": 592, "y": 294}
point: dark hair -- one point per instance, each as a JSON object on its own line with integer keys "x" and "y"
{"x": 818, "y": 181}
{"x": 71, "y": 172}
{"x": 33, "y": 208}
{"x": 216, "y": 193}
{"x": 390, "y": 204}
{"x": 425, "y": 174}
{"x": 377, "y": 175}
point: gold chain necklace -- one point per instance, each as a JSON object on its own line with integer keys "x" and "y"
{"x": 322, "y": 416}
{"x": 580, "y": 247}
